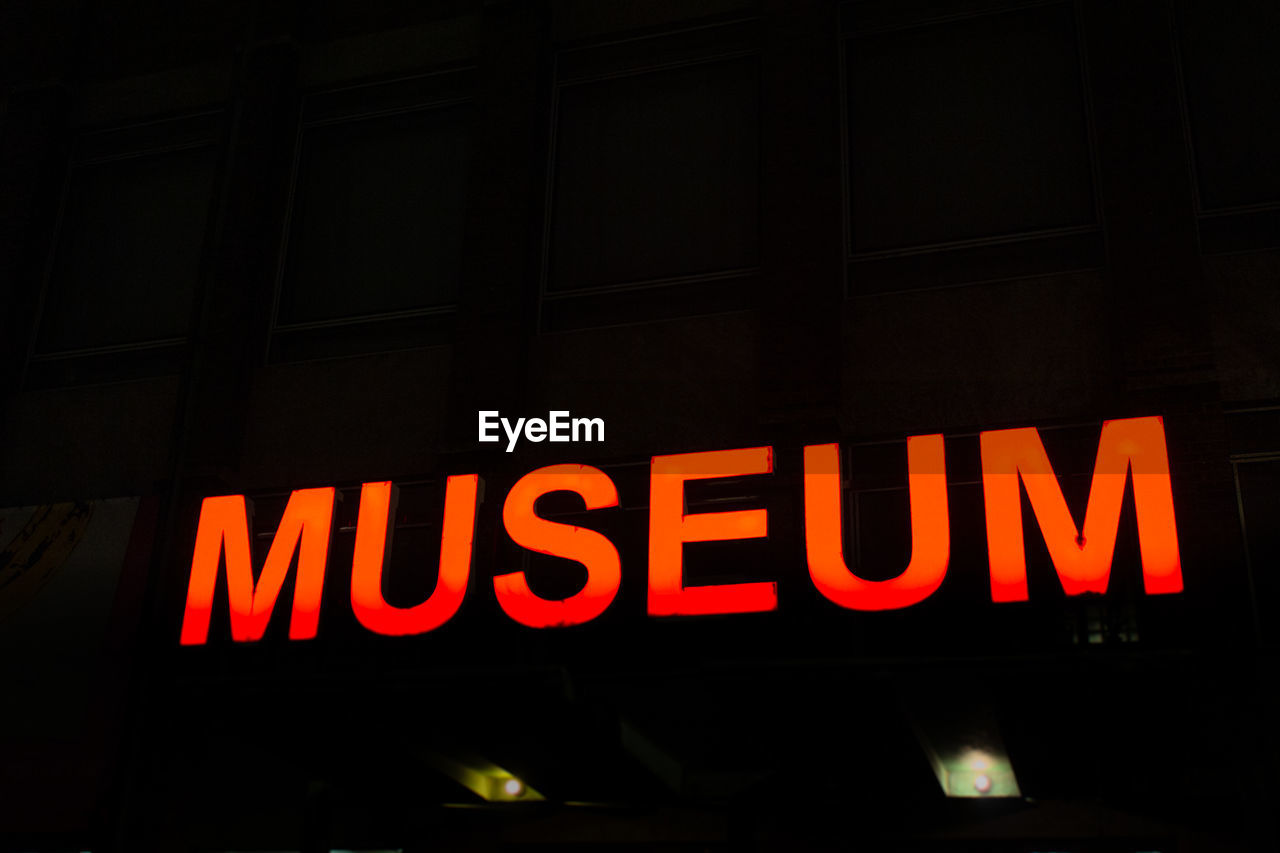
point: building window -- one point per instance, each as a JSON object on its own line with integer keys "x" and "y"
{"x": 964, "y": 132}
{"x": 654, "y": 198}
{"x": 1232, "y": 95}
{"x": 374, "y": 250}
{"x": 122, "y": 282}
{"x": 1258, "y": 493}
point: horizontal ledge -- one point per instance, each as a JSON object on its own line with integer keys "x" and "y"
{"x": 284, "y": 328}
{"x": 89, "y": 352}
{"x": 648, "y": 284}
{"x": 1241, "y": 229}
{"x": 657, "y": 31}
{"x": 868, "y": 25}
{"x": 385, "y": 112}
{"x": 958, "y": 265}
{"x": 973, "y": 242}
{"x": 391, "y": 82}
{"x": 632, "y": 71}
{"x": 1239, "y": 210}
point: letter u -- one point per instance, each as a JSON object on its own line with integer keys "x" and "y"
{"x": 373, "y": 542}
{"x": 930, "y": 529}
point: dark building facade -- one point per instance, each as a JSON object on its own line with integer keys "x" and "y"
{"x": 253, "y": 248}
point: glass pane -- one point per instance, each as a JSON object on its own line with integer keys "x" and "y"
{"x": 966, "y": 130}
{"x": 657, "y": 176}
{"x": 378, "y": 217}
{"x": 1260, "y": 495}
{"x": 128, "y": 255}
{"x": 1233, "y": 98}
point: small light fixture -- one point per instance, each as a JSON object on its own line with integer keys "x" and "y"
{"x": 513, "y": 787}
{"x": 982, "y": 784}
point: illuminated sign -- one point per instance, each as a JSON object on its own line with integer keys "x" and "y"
{"x": 1013, "y": 460}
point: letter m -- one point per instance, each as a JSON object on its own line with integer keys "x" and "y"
{"x": 1082, "y": 560}
{"x": 224, "y": 529}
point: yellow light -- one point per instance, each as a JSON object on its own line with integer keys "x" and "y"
{"x": 513, "y": 787}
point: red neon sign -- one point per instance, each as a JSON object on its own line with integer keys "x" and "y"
{"x": 670, "y": 527}
{"x": 1083, "y": 559}
{"x": 373, "y": 544}
{"x": 930, "y": 529}
{"x": 224, "y": 528}
{"x": 1011, "y": 459}
{"x": 591, "y": 549}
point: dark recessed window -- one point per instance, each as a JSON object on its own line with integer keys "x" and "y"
{"x": 378, "y": 217}
{"x": 128, "y": 255}
{"x": 1259, "y": 485}
{"x": 1232, "y": 80}
{"x": 967, "y": 129}
{"x": 656, "y": 176}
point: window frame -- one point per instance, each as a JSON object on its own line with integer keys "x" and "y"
{"x": 632, "y": 302}
{"x": 962, "y": 262}
{"x": 356, "y": 335}
{"x": 97, "y": 146}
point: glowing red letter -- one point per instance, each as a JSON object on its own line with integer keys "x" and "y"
{"x": 670, "y": 528}
{"x": 224, "y": 526}
{"x": 1083, "y": 561}
{"x": 930, "y": 529}
{"x": 373, "y": 543}
{"x": 591, "y": 549}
